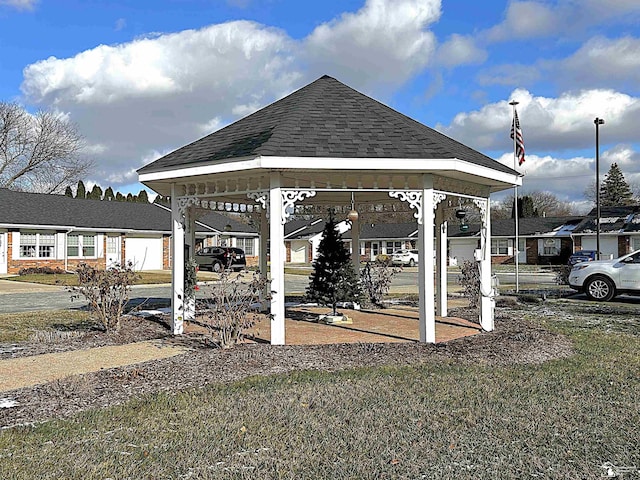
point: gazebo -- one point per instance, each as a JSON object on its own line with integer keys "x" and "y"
{"x": 329, "y": 145}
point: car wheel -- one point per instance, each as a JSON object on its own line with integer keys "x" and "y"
{"x": 600, "y": 289}
{"x": 216, "y": 267}
{"x": 412, "y": 262}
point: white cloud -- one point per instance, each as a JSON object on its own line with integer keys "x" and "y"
{"x": 460, "y": 50}
{"x": 525, "y": 20}
{"x": 383, "y": 43}
{"x": 600, "y": 61}
{"x": 536, "y": 19}
{"x": 19, "y": 4}
{"x": 548, "y": 123}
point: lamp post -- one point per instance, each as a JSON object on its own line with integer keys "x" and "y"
{"x": 598, "y": 122}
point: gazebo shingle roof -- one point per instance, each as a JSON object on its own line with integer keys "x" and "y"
{"x": 323, "y": 119}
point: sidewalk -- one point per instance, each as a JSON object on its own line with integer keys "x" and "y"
{"x": 9, "y": 286}
{"x": 38, "y": 369}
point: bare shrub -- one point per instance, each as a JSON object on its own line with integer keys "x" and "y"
{"x": 53, "y": 336}
{"x": 469, "y": 279}
{"x": 375, "y": 278}
{"x": 231, "y": 306}
{"x": 107, "y": 292}
{"x": 562, "y": 274}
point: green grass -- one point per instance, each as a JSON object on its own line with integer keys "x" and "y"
{"x": 18, "y": 327}
{"x": 559, "y": 420}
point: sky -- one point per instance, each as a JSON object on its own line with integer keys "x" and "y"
{"x": 142, "y": 78}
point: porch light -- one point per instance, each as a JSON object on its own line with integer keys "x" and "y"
{"x": 352, "y": 216}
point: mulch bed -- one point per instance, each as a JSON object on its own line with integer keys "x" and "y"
{"x": 514, "y": 341}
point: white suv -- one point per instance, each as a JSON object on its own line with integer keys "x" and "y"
{"x": 602, "y": 280}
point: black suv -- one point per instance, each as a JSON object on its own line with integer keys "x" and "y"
{"x": 218, "y": 258}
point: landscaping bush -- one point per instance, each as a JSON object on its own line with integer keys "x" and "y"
{"x": 107, "y": 292}
{"x": 562, "y": 274}
{"x": 40, "y": 271}
{"x": 469, "y": 279}
{"x": 375, "y": 279}
{"x": 231, "y": 306}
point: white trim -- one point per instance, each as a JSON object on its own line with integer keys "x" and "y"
{"x": 415, "y": 165}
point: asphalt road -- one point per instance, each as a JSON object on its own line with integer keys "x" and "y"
{"x": 59, "y": 299}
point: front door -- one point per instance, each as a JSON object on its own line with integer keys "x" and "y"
{"x": 113, "y": 251}
{"x": 3, "y": 253}
{"x": 375, "y": 250}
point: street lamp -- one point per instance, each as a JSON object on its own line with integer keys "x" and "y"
{"x": 598, "y": 122}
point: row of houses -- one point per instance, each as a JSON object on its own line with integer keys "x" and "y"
{"x": 38, "y": 230}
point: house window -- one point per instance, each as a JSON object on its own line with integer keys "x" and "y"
{"x": 499, "y": 246}
{"x": 636, "y": 243}
{"x": 550, "y": 247}
{"x": 81, "y": 246}
{"x": 37, "y": 245}
{"x": 394, "y": 246}
{"x": 246, "y": 244}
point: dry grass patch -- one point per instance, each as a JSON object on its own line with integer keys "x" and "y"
{"x": 19, "y": 327}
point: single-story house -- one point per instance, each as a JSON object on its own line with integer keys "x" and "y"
{"x": 302, "y": 238}
{"x": 619, "y": 231}
{"x": 40, "y": 230}
{"x": 542, "y": 240}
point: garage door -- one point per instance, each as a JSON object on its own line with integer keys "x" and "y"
{"x": 608, "y": 246}
{"x": 145, "y": 253}
{"x": 461, "y": 249}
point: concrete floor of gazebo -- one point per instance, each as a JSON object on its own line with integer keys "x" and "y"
{"x": 399, "y": 324}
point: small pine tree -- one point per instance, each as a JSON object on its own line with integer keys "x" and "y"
{"x": 333, "y": 279}
{"x": 108, "y": 195}
{"x": 525, "y": 208}
{"x": 615, "y": 190}
{"x": 81, "y": 191}
{"x": 68, "y": 192}
{"x": 143, "y": 197}
{"x": 130, "y": 197}
{"x": 95, "y": 193}
{"x": 120, "y": 197}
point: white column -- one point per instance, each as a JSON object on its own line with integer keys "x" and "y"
{"x": 441, "y": 264}
{"x": 276, "y": 237}
{"x": 487, "y": 300}
{"x": 425, "y": 263}
{"x": 177, "y": 265}
{"x": 190, "y": 240}
{"x": 355, "y": 246}
{"x": 264, "y": 237}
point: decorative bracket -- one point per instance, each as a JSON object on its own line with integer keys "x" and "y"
{"x": 413, "y": 198}
{"x": 261, "y": 198}
{"x": 289, "y": 199}
{"x": 482, "y": 206}
{"x": 437, "y": 198}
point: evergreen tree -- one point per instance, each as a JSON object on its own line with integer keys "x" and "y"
{"x": 68, "y": 192}
{"x": 525, "y": 208}
{"x": 143, "y": 197}
{"x": 130, "y": 197}
{"x": 108, "y": 195}
{"x": 81, "y": 191}
{"x": 120, "y": 197}
{"x": 333, "y": 279}
{"x": 615, "y": 190}
{"x": 95, "y": 193}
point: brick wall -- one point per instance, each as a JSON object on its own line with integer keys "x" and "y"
{"x": 166, "y": 252}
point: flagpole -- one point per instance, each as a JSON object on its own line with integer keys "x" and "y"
{"x": 513, "y": 103}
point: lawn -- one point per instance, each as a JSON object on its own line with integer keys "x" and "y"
{"x": 447, "y": 419}
{"x": 71, "y": 279}
{"x": 18, "y": 327}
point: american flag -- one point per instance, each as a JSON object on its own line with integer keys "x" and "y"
{"x": 515, "y": 125}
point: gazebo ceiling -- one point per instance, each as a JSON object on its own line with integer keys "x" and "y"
{"x": 326, "y": 136}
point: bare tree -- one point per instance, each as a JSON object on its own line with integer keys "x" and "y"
{"x": 39, "y": 152}
{"x": 546, "y": 203}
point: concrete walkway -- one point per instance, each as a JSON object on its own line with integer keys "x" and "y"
{"x": 38, "y": 369}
